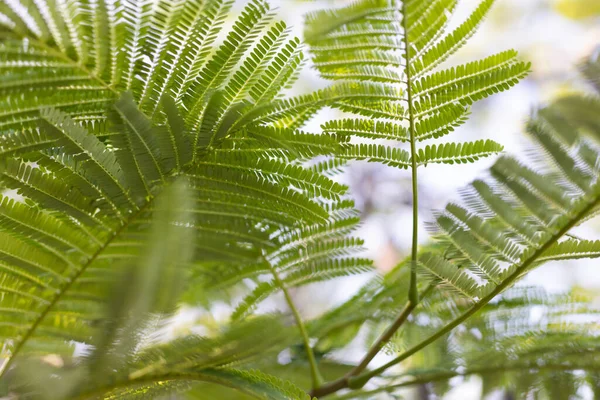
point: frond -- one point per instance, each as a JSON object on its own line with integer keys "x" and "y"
{"x": 398, "y": 45}
{"x": 477, "y": 88}
{"x": 182, "y": 363}
{"x": 448, "y": 276}
{"x": 132, "y": 37}
{"x": 152, "y": 156}
{"x": 367, "y": 129}
{"x": 591, "y": 70}
{"x": 571, "y": 249}
{"x": 393, "y": 110}
{"x": 178, "y": 136}
{"x": 394, "y": 157}
{"x": 257, "y": 384}
{"x": 580, "y": 112}
{"x": 146, "y": 163}
{"x": 506, "y": 347}
{"x": 152, "y": 49}
{"x": 245, "y": 80}
{"x": 16, "y": 143}
{"x": 280, "y": 74}
{"x": 441, "y": 123}
{"x": 468, "y": 73}
{"x": 451, "y": 42}
{"x": 98, "y": 162}
{"x": 276, "y": 172}
{"x": 291, "y": 143}
{"x": 517, "y": 219}
{"x": 253, "y": 19}
{"x": 345, "y": 93}
{"x": 53, "y": 194}
{"x": 305, "y": 255}
{"x": 44, "y": 229}
{"x": 458, "y": 153}
{"x": 137, "y": 104}
{"x": 321, "y": 23}
{"x": 513, "y": 221}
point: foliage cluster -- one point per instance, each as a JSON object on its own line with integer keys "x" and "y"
{"x": 150, "y": 159}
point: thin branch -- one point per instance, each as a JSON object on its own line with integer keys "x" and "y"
{"x": 413, "y": 295}
{"x": 359, "y": 381}
{"x": 387, "y": 335}
{"x": 384, "y": 339}
{"x": 317, "y": 379}
{"x": 343, "y": 382}
{"x": 442, "y": 376}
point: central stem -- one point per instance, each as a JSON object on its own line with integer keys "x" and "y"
{"x": 317, "y": 380}
{"x": 413, "y": 296}
{"x": 351, "y": 379}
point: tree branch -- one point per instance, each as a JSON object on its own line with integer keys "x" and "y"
{"x": 343, "y": 382}
{"x": 413, "y": 296}
{"x": 441, "y": 376}
{"x": 317, "y": 379}
{"x": 387, "y": 335}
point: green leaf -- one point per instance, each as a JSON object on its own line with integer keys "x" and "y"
{"x": 378, "y": 153}
{"x": 254, "y": 383}
{"x": 457, "y": 153}
{"x": 572, "y": 249}
{"x": 367, "y": 129}
{"x": 448, "y": 276}
{"x": 451, "y": 42}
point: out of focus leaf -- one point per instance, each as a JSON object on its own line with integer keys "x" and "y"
{"x": 578, "y": 9}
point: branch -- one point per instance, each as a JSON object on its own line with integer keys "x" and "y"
{"x": 317, "y": 379}
{"x": 357, "y": 382}
{"x": 387, "y": 335}
{"x": 442, "y": 376}
{"x": 383, "y": 339}
{"x": 413, "y": 296}
{"x": 343, "y": 382}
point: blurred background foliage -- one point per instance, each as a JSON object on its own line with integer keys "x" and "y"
{"x": 578, "y": 9}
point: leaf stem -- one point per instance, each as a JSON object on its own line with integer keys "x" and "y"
{"x": 384, "y": 338}
{"x": 440, "y": 376}
{"x": 317, "y": 379}
{"x": 387, "y": 335}
{"x": 344, "y": 382}
{"x": 413, "y": 296}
